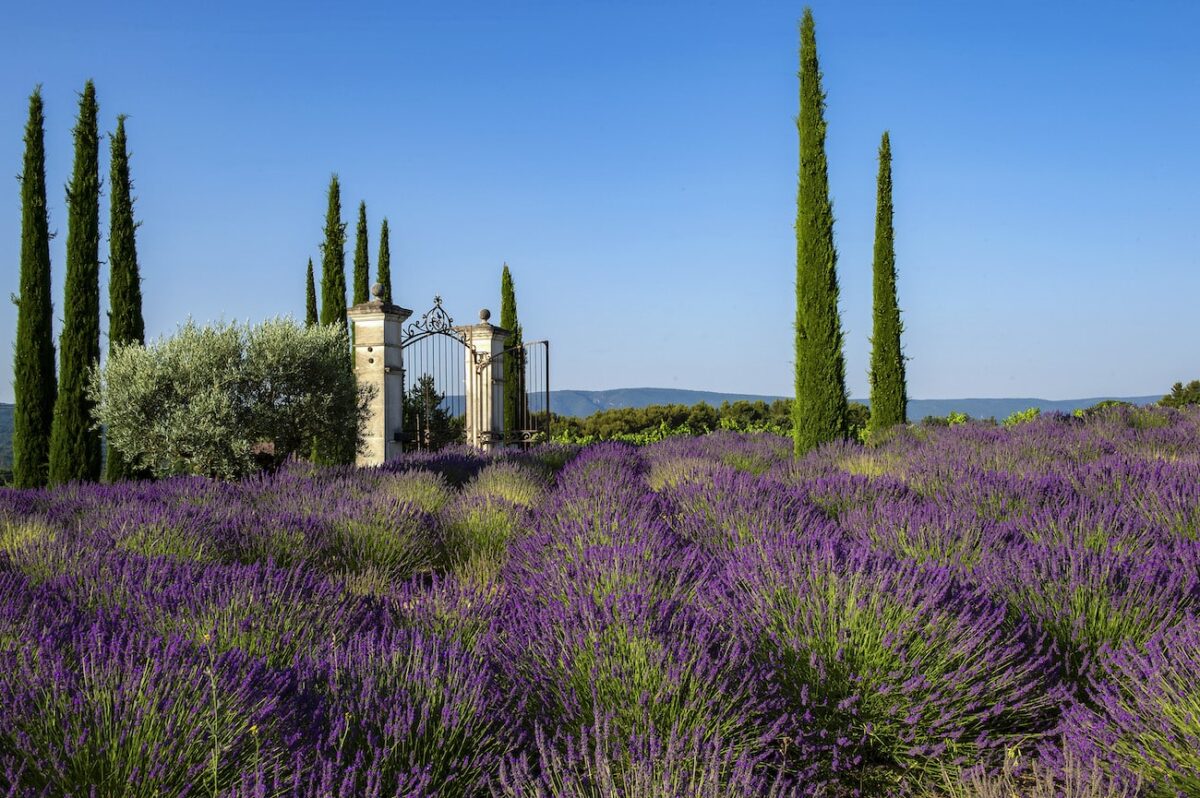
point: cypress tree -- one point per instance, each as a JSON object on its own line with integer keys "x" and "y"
{"x": 514, "y": 365}
{"x": 125, "y": 322}
{"x": 385, "y": 263}
{"x": 333, "y": 260}
{"x": 33, "y": 360}
{"x": 362, "y": 271}
{"x": 310, "y": 298}
{"x": 820, "y": 410}
{"x": 889, "y": 395}
{"x": 74, "y": 445}
{"x": 333, "y": 307}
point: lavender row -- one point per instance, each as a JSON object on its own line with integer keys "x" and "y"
{"x": 953, "y": 612}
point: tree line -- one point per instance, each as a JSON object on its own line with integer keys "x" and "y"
{"x": 698, "y": 419}
{"x": 55, "y": 439}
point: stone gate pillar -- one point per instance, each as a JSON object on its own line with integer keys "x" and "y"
{"x": 379, "y": 361}
{"x": 484, "y": 381}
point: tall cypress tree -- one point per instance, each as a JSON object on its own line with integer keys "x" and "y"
{"x": 74, "y": 445}
{"x": 125, "y": 322}
{"x": 310, "y": 298}
{"x": 384, "y": 267}
{"x": 820, "y": 411}
{"x": 362, "y": 269}
{"x": 333, "y": 306}
{"x": 889, "y": 395}
{"x": 514, "y": 362}
{"x": 33, "y": 360}
{"x": 333, "y": 260}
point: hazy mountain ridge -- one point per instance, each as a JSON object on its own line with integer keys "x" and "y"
{"x": 584, "y": 403}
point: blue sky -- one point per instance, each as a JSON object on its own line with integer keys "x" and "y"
{"x": 634, "y": 162}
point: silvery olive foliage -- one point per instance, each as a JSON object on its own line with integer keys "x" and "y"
{"x": 223, "y": 399}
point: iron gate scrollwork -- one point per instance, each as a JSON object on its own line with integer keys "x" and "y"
{"x": 452, "y": 389}
{"x": 434, "y": 400}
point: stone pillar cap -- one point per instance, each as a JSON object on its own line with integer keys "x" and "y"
{"x": 378, "y": 306}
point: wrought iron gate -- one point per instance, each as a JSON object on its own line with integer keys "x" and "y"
{"x": 452, "y": 390}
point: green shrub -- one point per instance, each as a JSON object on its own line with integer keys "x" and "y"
{"x": 1182, "y": 395}
{"x": 951, "y": 419}
{"x": 1100, "y": 407}
{"x": 1021, "y": 416}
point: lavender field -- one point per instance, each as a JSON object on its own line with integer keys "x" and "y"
{"x": 965, "y": 611}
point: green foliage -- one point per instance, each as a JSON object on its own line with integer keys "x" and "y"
{"x": 16, "y": 535}
{"x": 846, "y": 635}
{"x": 383, "y": 545}
{"x": 362, "y": 268}
{"x": 333, "y": 259}
{"x": 1075, "y": 779}
{"x": 1021, "y": 416}
{"x": 858, "y": 418}
{"x": 521, "y": 485}
{"x": 659, "y": 420}
{"x": 1151, "y": 703}
{"x": 117, "y": 719}
{"x": 221, "y": 400}
{"x": 260, "y": 620}
{"x": 514, "y": 365}
{"x": 1100, "y": 407}
{"x": 451, "y": 734}
{"x": 426, "y": 418}
{"x": 162, "y": 539}
{"x": 820, "y": 408}
{"x": 384, "y": 267}
{"x": 1182, "y": 395}
{"x": 476, "y": 531}
{"x": 427, "y": 490}
{"x": 75, "y": 441}
{"x": 951, "y": 419}
{"x": 33, "y": 357}
{"x": 310, "y": 297}
{"x": 125, "y": 322}
{"x": 889, "y": 394}
{"x": 1147, "y": 417}
{"x": 645, "y": 425}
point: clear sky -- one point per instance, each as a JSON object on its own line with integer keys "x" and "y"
{"x": 634, "y": 162}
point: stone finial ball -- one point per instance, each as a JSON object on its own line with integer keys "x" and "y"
{"x": 485, "y": 314}
{"x": 377, "y": 290}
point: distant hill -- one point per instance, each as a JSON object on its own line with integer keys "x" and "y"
{"x": 584, "y": 403}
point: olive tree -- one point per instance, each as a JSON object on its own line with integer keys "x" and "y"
{"x": 224, "y": 399}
